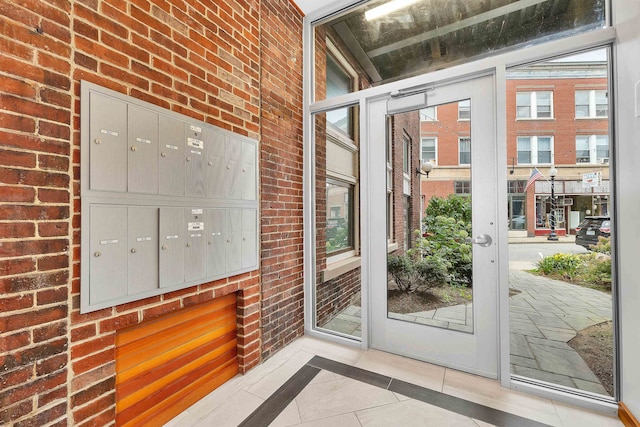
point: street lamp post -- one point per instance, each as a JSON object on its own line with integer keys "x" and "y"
{"x": 552, "y": 173}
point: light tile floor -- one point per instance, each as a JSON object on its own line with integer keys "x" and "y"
{"x": 335, "y": 401}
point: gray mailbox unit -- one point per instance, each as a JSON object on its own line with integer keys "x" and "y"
{"x": 167, "y": 201}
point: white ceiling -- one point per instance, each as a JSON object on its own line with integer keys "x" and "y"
{"x": 309, "y": 6}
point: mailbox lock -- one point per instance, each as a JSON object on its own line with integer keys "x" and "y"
{"x": 244, "y": 239}
{"x": 97, "y": 254}
{"x": 134, "y": 250}
{"x": 163, "y": 154}
{"x": 164, "y": 247}
{"x": 134, "y": 148}
{"x": 98, "y": 141}
{"x": 228, "y": 166}
{"x": 244, "y": 170}
{"x": 210, "y": 163}
{"x": 188, "y": 245}
{"x": 188, "y": 159}
{"x": 209, "y": 242}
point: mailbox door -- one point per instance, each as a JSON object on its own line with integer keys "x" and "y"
{"x": 248, "y": 171}
{"x": 143, "y": 151}
{"x": 194, "y": 253}
{"x": 108, "y": 262}
{"x": 215, "y": 224}
{"x": 172, "y": 158}
{"x": 142, "y": 266}
{"x": 214, "y": 150}
{"x": 171, "y": 246}
{"x": 233, "y": 240}
{"x": 108, "y": 143}
{"x": 233, "y": 160}
{"x": 194, "y": 161}
{"x": 249, "y": 238}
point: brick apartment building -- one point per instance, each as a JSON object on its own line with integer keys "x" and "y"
{"x": 557, "y": 115}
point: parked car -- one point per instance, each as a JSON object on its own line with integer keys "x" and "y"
{"x": 591, "y": 228}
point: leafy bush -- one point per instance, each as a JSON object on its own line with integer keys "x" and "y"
{"x": 597, "y": 271}
{"x": 603, "y": 246}
{"x": 565, "y": 265}
{"x": 411, "y": 275}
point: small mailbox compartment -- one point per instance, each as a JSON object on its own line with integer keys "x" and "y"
{"x": 194, "y": 161}
{"x": 214, "y": 149}
{"x": 216, "y": 247}
{"x": 194, "y": 252}
{"x": 172, "y": 242}
{"x": 249, "y": 238}
{"x": 142, "y": 168}
{"x": 142, "y": 250}
{"x": 233, "y": 239}
{"x": 171, "y": 163}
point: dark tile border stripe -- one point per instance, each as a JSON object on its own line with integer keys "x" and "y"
{"x": 271, "y": 408}
{"x": 275, "y": 404}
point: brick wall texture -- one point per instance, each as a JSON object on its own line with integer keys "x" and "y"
{"x": 232, "y": 63}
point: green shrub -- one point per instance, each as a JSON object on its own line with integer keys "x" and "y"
{"x": 603, "y": 246}
{"x": 565, "y": 265}
{"x": 416, "y": 274}
{"x": 597, "y": 271}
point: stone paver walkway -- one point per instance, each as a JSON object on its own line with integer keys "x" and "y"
{"x": 544, "y": 317}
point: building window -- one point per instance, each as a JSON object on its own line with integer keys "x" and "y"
{"x": 407, "y": 223}
{"x": 429, "y": 114}
{"x": 592, "y": 149}
{"x": 533, "y": 150}
{"x": 339, "y": 216}
{"x": 464, "y": 150}
{"x": 534, "y": 105}
{"x": 406, "y": 155}
{"x": 339, "y": 82}
{"x": 516, "y": 187}
{"x": 428, "y": 150}
{"x": 462, "y": 187}
{"x": 464, "y": 110}
{"x": 591, "y": 104}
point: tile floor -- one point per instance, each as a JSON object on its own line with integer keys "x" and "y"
{"x": 333, "y": 400}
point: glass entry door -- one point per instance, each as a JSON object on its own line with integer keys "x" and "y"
{"x": 433, "y": 274}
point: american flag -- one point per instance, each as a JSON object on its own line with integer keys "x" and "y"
{"x": 535, "y": 175}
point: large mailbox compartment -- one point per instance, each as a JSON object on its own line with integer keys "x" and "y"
{"x": 107, "y": 143}
{"x": 194, "y": 253}
{"x": 124, "y": 245}
{"x": 167, "y": 201}
{"x": 108, "y": 259}
{"x": 142, "y": 170}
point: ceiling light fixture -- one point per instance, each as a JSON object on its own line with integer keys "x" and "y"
{"x": 387, "y": 8}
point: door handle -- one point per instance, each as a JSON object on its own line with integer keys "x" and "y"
{"x": 483, "y": 240}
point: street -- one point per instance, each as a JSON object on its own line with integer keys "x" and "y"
{"x": 524, "y": 256}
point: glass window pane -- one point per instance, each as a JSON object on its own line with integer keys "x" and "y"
{"x": 429, "y": 35}
{"x": 339, "y": 218}
{"x": 602, "y": 104}
{"x": 602, "y": 147}
{"x": 428, "y": 149}
{"x": 582, "y": 149}
{"x": 428, "y": 114}
{"x": 464, "y": 110}
{"x": 465, "y": 151}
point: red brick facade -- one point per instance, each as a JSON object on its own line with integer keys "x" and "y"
{"x": 233, "y": 64}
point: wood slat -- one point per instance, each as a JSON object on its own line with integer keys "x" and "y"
{"x": 212, "y": 360}
{"x": 180, "y": 401}
{"x": 185, "y": 315}
{"x": 165, "y": 365}
{"x": 164, "y": 347}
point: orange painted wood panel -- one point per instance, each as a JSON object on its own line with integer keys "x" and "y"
{"x": 165, "y": 365}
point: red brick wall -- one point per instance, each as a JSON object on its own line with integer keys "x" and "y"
{"x": 281, "y": 175}
{"x": 220, "y": 62}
